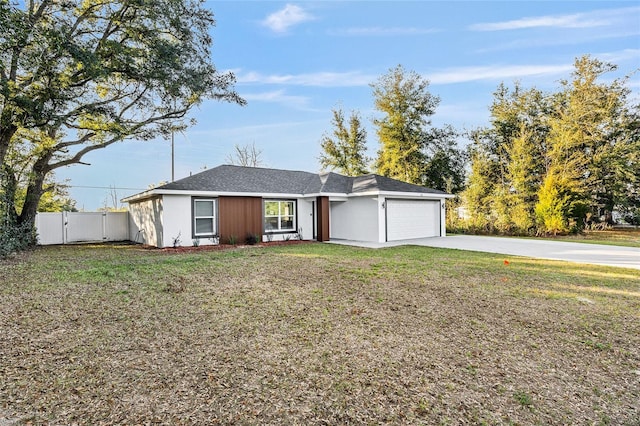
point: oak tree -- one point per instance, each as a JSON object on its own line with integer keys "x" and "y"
{"x": 81, "y": 76}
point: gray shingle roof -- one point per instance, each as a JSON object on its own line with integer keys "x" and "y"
{"x": 238, "y": 179}
{"x": 382, "y": 183}
{"x": 228, "y": 178}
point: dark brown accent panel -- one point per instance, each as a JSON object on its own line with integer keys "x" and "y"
{"x": 240, "y": 217}
{"x": 322, "y": 204}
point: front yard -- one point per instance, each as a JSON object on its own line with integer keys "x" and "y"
{"x": 315, "y": 334}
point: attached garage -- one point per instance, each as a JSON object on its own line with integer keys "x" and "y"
{"x": 407, "y": 219}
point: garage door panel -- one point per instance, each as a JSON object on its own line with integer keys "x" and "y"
{"x": 408, "y": 219}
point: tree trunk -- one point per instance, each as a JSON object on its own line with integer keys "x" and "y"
{"x": 6, "y": 133}
{"x": 27, "y": 217}
{"x": 8, "y": 186}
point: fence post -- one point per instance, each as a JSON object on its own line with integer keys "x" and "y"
{"x": 104, "y": 226}
{"x": 65, "y": 222}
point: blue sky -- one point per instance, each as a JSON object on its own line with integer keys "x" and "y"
{"x": 295, "y": 61}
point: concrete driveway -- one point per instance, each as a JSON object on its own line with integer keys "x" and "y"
{"x": 596, "y": 254}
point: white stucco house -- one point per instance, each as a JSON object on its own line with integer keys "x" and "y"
{"x": 233, "y": 202}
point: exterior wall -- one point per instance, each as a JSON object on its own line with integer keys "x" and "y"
{"x": 145, "y": 222}
{"x": 443, "y": 218}
{"x": 176, "y": 220}
{"x": 239, "y": 216}
{"x": 323, "y": 212}
{"x": 355, "y": 219}
{"x": 382, "y": 219}
{"x": 305, "y": 218}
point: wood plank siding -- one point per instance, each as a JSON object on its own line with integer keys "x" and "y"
{"x": 240, "y": 217}
{"x": 322, "y": 204}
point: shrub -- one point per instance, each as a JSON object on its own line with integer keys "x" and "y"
{"x": 14, "y": 237}
{"x": 252, "y": 239}
{"x": 176, "y": 240}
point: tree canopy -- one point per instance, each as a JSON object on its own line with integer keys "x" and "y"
{"x": 556, "y": 162}
{"x": 345, "y": 148}
{"x": 80, "y": 76}
{"x": 411, "y": 149}
{"x": 406, "y": 106}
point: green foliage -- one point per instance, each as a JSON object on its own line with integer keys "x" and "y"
{"x": 345, "y": 150}
{"x": 551, "y": 163}
{"x": 589, "y": 145}
{"x": 523, "y": 398}
{"x": 501, "y": 210}
{"x": 14, "y": 236}
{"x": 551, "y": 209}
{"x": 80, "y": 76}
{"x": 55, "y": 197}
{"x": 252, "y": 239}
{"x": 406, "y": 104}
{"x": 480, "y": 186}
{"x": 445, "y": 163}
{"x": 524, "y": 172}
{"x": 411, "y": 150}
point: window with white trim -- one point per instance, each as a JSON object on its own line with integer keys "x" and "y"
{"x": 279, "y": 216}
{"x": 204, "y": 217}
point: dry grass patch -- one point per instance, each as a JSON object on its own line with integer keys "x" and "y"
{"x": 629, "y": 237}
{"x": 315, "y": 334}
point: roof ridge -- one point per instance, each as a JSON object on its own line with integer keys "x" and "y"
{"x": 263, "y": 168}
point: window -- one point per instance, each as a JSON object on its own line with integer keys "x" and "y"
{"x": 204, "y": 217}
{"x": 279, "y": 216}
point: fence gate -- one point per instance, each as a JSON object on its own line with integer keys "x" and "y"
{"x": 75, "y": 227}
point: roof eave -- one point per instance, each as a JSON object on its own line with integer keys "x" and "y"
{"x": 429, "y": 195}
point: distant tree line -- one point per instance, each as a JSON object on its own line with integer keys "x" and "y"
{"x": 548, "y": 163}
{"x": 556, "y": 162}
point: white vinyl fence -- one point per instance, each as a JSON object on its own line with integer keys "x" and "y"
{"x": 75, "y": 227}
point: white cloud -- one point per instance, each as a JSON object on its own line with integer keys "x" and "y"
{"x": 282, "y": 20}
{"x": 278, "y": 96}
{"x": 619, "y": 56}
{"x": 496, "y": 73}
{"x": 359, "y": 79}
{"x": 596, "y": 18}
{"x": 552, "y": 39}
{"x": 319, "y": 79}
{"x": 382, "y": 31}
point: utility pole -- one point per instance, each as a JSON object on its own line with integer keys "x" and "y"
{"x": 172, "y": 158}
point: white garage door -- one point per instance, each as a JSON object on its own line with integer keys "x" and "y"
{"x": 412, "y": 219}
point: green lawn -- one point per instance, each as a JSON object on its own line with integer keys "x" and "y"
{"x": 315, "y": 334}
